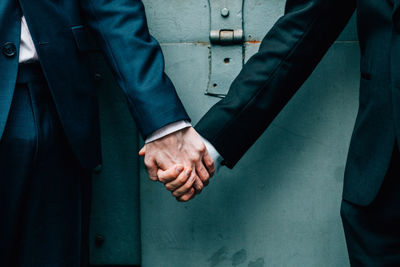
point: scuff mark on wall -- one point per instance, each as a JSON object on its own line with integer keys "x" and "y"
{"x": 218, "y": 257}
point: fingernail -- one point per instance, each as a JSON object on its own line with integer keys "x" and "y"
{"x": 187, "y": 173}
{"x": 179, "y": 169}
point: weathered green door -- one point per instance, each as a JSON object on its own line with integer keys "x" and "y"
{"x": 280, "y": 205}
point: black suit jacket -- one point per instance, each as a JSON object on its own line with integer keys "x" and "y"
{"x": 287, "y": 56}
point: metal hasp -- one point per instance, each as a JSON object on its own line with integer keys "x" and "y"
{"x": 226, "y": 38}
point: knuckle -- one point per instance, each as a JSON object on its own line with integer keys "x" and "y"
{"x": 182, "y": 180}
{"x": 205, "y": 175}
{"x": 210, "y": 164}
{"x": 200, "y": 187}
{"x": 194, "y": 158}
{"x": 187, "y": 187}
{"x": 169, "y": 187}
{"x": 202, "y": 148}
{"x": 148, "y": 163}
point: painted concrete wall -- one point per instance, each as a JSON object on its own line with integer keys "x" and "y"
{"x": 278, "y": 207}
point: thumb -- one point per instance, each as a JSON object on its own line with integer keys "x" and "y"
{"x": 170, "y": 174}
{"x": 142, "y": 151}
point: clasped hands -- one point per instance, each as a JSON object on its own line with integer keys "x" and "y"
{"x": 181, "y": 162}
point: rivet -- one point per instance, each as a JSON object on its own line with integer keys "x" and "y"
{"x": 225, "y": 12}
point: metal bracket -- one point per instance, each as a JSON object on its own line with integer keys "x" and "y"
{"x": 226, "y": 37}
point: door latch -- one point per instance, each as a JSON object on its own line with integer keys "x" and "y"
{"x": 226, "y": 50}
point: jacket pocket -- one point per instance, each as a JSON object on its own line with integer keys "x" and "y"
{"x": 84, "y": 39}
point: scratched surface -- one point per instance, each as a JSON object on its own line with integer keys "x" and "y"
{"x": 280, "y": 205}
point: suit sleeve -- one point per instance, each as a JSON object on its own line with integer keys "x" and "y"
{"x": 287, "y": 56}
{"x": 137, "y": 61}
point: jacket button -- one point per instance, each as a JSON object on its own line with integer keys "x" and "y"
{"x": 98, "y": 169}
{"x": 98, "y": 77}
{"x": 9, "y": 49}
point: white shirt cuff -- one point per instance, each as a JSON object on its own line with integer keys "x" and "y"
{"x": 168, "y": 129}
{"x": 216, "y": 157}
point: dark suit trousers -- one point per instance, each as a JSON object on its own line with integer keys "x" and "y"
{"x": 373, "y": 232}
{"x": 44, "y": 192}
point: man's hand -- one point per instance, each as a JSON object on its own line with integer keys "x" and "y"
{"x": 186, "y": 150}
{"x": 178, "y": 183}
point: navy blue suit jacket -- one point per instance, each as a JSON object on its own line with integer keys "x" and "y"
{"x": 61, "y": 33}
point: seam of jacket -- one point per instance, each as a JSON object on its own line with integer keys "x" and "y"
{"x": 298, "y": 42}
{"x": 112, "y": 56}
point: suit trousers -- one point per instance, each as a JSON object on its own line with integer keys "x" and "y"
{"x": 373, "y": 232}
{"x": 44, "y": 192}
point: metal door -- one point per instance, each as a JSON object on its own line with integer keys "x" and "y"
{"x": 280, "y": 205}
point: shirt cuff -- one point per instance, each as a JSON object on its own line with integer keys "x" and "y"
{"x": 216, "y": 157}
{"x": 168, "y": 129}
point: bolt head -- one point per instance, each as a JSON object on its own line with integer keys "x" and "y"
{"x": 225, "y": 12}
